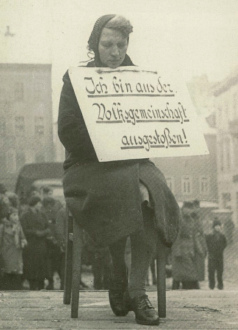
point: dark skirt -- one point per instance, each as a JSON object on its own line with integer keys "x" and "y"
{"x": 105, "y": 199}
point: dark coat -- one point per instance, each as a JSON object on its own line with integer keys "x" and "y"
{"x": 105, "y": 197}
{"x": 216, "y": 244}
{"x": 189, "y": 252}
{"x": 183, "y": 253}
{"x": 34, "y": 254}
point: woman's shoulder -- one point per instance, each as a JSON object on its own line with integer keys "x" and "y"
{"x": 66, "y": 77}
{"x": 91, "y": 64}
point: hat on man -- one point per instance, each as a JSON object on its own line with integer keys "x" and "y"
{"x": 216, "y": 222}
{"x": 188, "y": 204}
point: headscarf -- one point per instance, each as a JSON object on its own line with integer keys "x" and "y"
{"x": 93, "y": 41}
{"x": 96, "y": 32}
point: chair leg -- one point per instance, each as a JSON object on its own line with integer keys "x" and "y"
{"x": 68, "y": 261}
{"x": 161, "y": 279}
{"x": 77, "y": 249}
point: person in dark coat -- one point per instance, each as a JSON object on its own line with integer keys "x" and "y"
{"x": 216, "y": 244}
{"x": 53, "y": 249}
{"x": 189, "y": 250}
{"x": 184, "y": 268}
{"x": 200, "y": 245}
{"x": 36, "y": 229}
{"x": 107, "y": 198}
{"x": 4, "y": 211}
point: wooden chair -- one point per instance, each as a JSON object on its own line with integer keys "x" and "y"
{"x": 74, "y": 242}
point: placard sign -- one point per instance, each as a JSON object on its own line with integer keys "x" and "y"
{"x": 132, "y": 113}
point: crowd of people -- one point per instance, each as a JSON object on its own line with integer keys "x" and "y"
{"x": 31, "y": 244}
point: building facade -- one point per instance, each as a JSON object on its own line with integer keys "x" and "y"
{"x": 226, "y": 105}
{"x": 26, "y": 129}
{"x": 193, "y": 177}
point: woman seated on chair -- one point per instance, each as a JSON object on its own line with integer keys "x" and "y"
{"x": 117, "y": 199}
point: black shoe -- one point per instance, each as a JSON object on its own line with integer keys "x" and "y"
{"x": 116, "y": 294}
{"x": 144, "y": 311}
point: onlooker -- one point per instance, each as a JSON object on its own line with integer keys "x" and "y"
{"x": 12, "y": 242}
{"x": 4, "y": 210}
{"x": 3, "y": 190}
{"x": 36, "y": 229}
{"x": 4, "y": 207}
{"x": 200, "y": 247}
{"x": 13, "y": 199}
{"x": 216, "y": 244}
{"x": 60, "y": 233}
{"x": 4, "y": 201}
{"x": 189, "y": 245}
{"x": 53, "y": 249}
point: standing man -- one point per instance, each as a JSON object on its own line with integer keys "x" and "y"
{"x": 36, "y": 229}
{"x": 216, "y": 244}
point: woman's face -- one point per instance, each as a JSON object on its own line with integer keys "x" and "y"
{"x": 112, "y": 48}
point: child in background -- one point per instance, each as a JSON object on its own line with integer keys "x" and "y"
{"x": 12, "y": 242}
{"x": 216, "y": 244}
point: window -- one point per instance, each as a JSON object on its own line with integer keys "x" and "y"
{"x": 39, "y": 126}
{"x": 204, "y": 185}
{"x": 2, "y": 126}
{"x": 219, "y": 116}
{"x": 39, "y": 88}
{"x": 228, "y": 155}
{"x": 221, "y": 156}
{"x": 11, "y": 161}
{"x": 226, "y": 199}
{"x": 19, "y": 91}
{"x": 186, "y": 185}
{"x": 21, "y": 159}
{"x": 20, "y": 126}
{"x": 236, "y": 151}
{"x": 170, "y": 183}
{"x": 235, "y": 105}
{"x": 228, "y": 110}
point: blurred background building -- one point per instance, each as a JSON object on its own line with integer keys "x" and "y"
{"x": 226, "y": 105}
{"x": 26, "y": 130}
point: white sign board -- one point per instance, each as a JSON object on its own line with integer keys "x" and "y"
{"x": 132, "y": 113}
